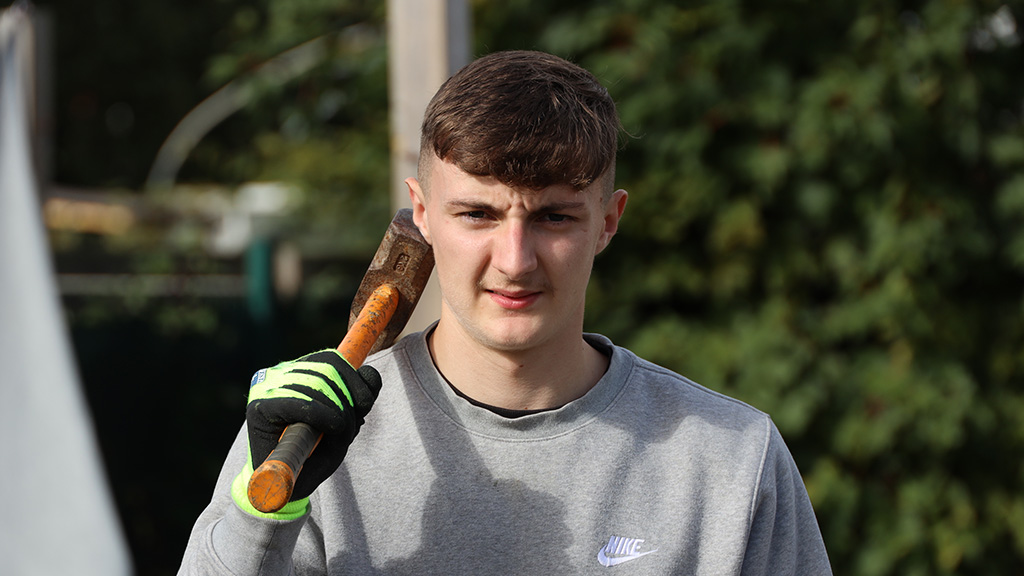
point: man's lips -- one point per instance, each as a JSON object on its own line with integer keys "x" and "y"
{"x": 513, "y": 299}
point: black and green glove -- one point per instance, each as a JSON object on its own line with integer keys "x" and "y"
{"x": 320, "y": 389}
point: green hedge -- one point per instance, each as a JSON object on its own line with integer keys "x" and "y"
{"x": 824, "y": 221}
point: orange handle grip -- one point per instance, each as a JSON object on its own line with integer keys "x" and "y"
{"x": 272, "y": 483}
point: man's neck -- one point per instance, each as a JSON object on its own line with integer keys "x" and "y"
{"x": 543, "y": 377}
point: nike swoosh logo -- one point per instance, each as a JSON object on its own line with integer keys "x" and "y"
{"x": 615, "y": 561}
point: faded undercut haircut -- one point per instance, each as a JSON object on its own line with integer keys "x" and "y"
{"x": 529, "y": 119}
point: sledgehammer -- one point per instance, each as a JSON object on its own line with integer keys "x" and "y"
{"x": 384, "y": 301}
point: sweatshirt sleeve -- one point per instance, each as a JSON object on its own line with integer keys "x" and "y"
{"x": 227, "y": 541}
{"x": 784, "y": 535}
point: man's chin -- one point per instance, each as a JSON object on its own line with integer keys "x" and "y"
{"x": 510, "y": 337}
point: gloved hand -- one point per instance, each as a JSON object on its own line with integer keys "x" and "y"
{"x": 320, "y": 389}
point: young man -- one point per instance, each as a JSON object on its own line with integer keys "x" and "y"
{"x": 504, "y": 439}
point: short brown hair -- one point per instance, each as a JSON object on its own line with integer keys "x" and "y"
{"x": 529, "y": 119}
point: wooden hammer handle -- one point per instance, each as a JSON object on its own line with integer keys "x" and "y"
{"x": 272, "y": 483}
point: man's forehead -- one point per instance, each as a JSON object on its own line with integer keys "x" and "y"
{"x": 457, "y": 185}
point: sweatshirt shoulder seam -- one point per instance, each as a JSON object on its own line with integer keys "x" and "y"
{"x": 760, "y": 471}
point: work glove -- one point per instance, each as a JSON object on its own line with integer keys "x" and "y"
{"x": 322, "y": 390}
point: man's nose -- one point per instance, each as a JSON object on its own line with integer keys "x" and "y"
{"x": 515, "y": 255}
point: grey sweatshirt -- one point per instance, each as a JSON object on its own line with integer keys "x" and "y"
{"x": 648, "y": 473}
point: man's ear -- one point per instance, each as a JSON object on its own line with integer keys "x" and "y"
{"x": 419, "y": 207}
{"x": 613, "y": 210}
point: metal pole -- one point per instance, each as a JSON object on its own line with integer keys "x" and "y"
{"x": 428, "y": 40}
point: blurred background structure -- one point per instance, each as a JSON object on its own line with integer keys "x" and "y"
{"x": 825, "y": 221}
{"x": 58, "y": 514}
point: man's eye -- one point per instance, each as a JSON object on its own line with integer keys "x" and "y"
{"x": 474, "y": 216}
{"x": 557, "y": 218}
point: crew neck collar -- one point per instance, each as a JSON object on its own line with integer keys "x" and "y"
{"x": 481, "y": 420}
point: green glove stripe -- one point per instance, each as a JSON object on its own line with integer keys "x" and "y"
{"x": 321, "y": 367}
{"x": 301, "y": 379}
{"x": 330, "y": 370}
{"x": 298, "y": 374}
{"x": 283, "y": 393}
{"x": 327, "y": 370}
{"x": 316, "y": 383}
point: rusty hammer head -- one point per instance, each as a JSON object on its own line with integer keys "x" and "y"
{"x": 404, "y": 260}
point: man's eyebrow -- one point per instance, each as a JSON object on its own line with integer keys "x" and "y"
{"x": 563, "y": 206}
{"x": 471, "y": 205}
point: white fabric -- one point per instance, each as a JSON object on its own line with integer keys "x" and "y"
{"x": 57, "y": 515}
